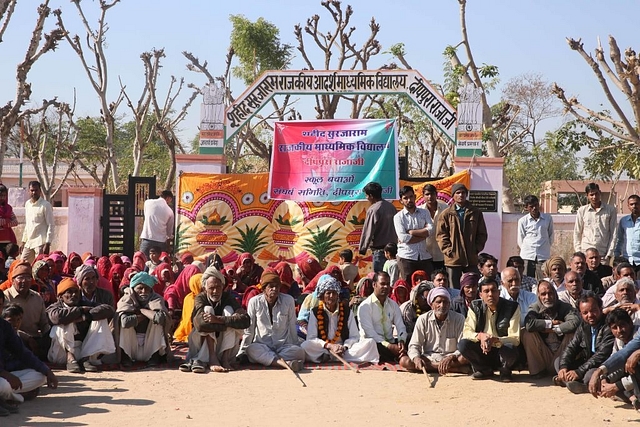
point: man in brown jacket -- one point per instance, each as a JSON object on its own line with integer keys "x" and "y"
{"x": 461, "y": 234}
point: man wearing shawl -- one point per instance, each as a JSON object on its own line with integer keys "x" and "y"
{"x": 218, "y": 323}
{"x": 34, "y": 321}
{"x": 332, "y": 328}
{"x": 80, "y": 331}
{"x": 549, "y": 326}
{"x": 435, "y": 338}
{"x": 271, "y": 338}
{"x": 415, "y": 306}
{"x": 87, "y": 279}
{"x": 142, "y": 323}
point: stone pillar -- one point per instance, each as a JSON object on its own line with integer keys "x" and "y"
{"x": 85, "y": 210}
{"x": 486, "y": 179}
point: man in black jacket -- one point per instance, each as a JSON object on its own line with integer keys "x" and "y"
{"x": 491, "y": 334}
{"x": 589, "y": 348}
{"x": 549, "y": 327}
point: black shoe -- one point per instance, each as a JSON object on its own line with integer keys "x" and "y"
{"x": 577, "y": 387}
{"x": 12, "y": 409}
{"x": 125, "y": 361}
{"x": 481, "y": 375}
{"x": 4, "y": 412}
{"x": 30, "y": 395}
{"x": 505, "y": 375}
{"x": 539, "y": 375}
{"x": 154, "y": 360}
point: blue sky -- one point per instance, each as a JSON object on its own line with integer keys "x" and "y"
{"x": 518, "y": 36}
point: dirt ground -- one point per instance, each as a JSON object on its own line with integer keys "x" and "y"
{"x": 167, "y": 397}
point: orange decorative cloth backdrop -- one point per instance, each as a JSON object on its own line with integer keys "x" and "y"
{"x": 231, "y": 214}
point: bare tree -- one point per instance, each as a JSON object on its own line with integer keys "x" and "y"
{"x": 95, "y": 65}
{"x": 529, "y": 101}
{"x": 50, "y": 138}
{"x": 7, "y": 7}
{"x": 249, "y": 136}
{"x": 141, "y": 109}
{"x": 166, "y": 119}
{"x": 623, "y": 73}
{"x": 10, "y": 114}
{"x": 494, "y": 125}
{"x": 337, "y": 45}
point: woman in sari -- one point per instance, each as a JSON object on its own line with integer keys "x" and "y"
{"x": 245, "y": 272}
{"x": 184, "y": 328}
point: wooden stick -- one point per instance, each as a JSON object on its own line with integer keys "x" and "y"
{"x": 282, "y": 362}
{"x": 347, "y": 364}
{"x": 424, "y": 370}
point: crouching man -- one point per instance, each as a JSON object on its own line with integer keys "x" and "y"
{"x": 435, "y": 338}
{"x": 491, "y": 334}
{"x": 80, "y": 331}
{"x": 218, "y": 322}
{"x": 142, "y": 324}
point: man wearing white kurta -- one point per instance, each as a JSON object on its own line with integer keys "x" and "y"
{"x": 38, "y": 224}
{"x": 271, "y": 338}
{"x": 379, "y": 315}
{"x": 333, "y": 330}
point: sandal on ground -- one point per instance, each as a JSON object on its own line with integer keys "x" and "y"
{"x": 557, "y": 381}
{"x": 185, "y": 367}
{"x": 198, "y": 367}
{"x": 88, "y": 366}
{"x": 73, "y": 367}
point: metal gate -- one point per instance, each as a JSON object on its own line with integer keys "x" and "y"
{"x": 119, "y": 213}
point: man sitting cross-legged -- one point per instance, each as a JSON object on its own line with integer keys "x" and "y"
{"x": 617, "y": 383}
{"x": 435, "y": 338}
{"x": 584, "y": 353}
{"x": 332, "y": 328}
{"x": 378, "y": 315}
{"x": 218, "y": 321}
{"x": 142, "y": 323}
{"x": 491, "y": 333}
{"x": 271, "y": 338}
{"x": 21, "y": 372}
{"x": 549, "y": 326}
{"x": 80, "y": 331}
